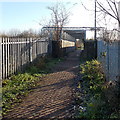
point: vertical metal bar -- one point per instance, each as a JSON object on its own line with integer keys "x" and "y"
{"x": 22, "y": 44}
{"x": 10, "y": 54}
{"x": 20, "y": 54}
{"x": 36, "y": 48}
{"x": 25, "y": 50}
{"x": 17, "y": 54}
{"x": 13, "y": 58}
{"x": 30, "y": 49}
{"x": 8, "y": 57}
{"x": 15, "y": 44}
{"x": 3, "y": 59}
{"x": 0, "y": 59}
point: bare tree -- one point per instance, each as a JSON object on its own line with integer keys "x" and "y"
{"x": 3, "y": 34}
{"x": 28, "y": 33}
{"x": 10, "y": 33}
{"x": 59, "y": 18}
{"x": 13, "y": 32}
{"x": 110, "y": 8}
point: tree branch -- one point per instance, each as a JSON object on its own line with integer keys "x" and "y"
{"x": 106, "y": 11}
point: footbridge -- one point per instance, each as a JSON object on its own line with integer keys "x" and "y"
{"x": 74, "y": 32}
{"x": 68, "y": 36}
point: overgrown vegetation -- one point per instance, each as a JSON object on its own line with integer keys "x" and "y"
{"x": 99, "y": 98}
{"x": 18, "y": 86}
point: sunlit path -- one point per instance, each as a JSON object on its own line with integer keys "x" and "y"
{"x": 53, "y": 98}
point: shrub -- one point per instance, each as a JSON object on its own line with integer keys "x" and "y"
{"x": 93, "y": 75}
{"x": 101, "y": 97}
{"x": 93, "y": 81}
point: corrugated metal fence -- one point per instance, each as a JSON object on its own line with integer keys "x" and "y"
{"x": 16, "y": 53}
{"x": 109, "y": 55}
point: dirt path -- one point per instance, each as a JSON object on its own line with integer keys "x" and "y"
{"x": 54, "y": 99}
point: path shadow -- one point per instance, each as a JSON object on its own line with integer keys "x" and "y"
{"x": 54, "y": 98}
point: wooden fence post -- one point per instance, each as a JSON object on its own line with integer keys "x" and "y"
{"x": 0, "y": 60}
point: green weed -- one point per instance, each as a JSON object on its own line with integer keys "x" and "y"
{"x": 101, "y": 97}
{"x": 18, "y": 86}
{"x": 93, "y": 80}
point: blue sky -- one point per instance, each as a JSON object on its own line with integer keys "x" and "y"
{"x": 27, "y": 14}
{"x": 22, "y": 15}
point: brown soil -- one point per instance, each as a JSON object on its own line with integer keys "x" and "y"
{"x": 54, "y": 95}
